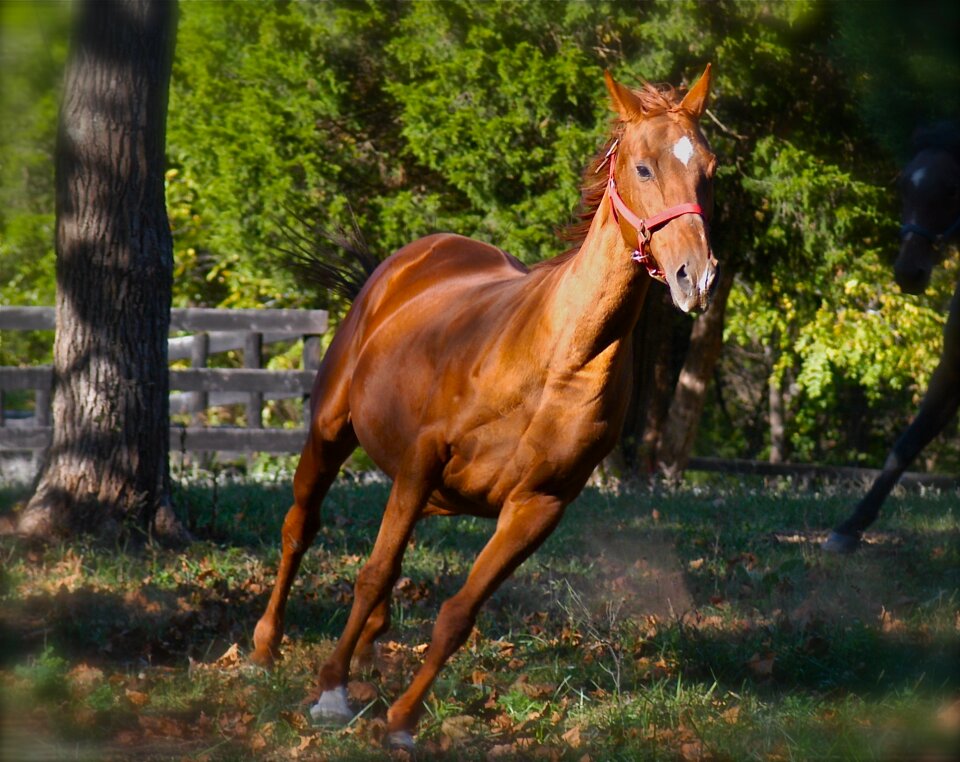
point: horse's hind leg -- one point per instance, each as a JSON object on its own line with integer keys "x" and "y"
{"x": 326, "y": 449}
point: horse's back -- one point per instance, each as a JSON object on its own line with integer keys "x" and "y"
{"x": 386, "y": 351}
{"x": 443, "y": 262}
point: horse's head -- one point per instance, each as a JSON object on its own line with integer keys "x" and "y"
{"x": 930, "y": 213}
{"x": 662, "y": 169}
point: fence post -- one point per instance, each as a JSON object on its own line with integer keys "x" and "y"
{"x": 198, "y": 359}
{"x": 311, "y": 361}
{"x": 252, "y": 358}
{"x": 42, "y": 404}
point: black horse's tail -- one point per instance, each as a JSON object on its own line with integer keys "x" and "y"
{"x": 336, "y": 262}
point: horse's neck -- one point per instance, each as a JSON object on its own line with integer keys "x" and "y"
{"x": 597, "y": 294}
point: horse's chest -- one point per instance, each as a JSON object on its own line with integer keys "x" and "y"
{"x": 552, "y": 445}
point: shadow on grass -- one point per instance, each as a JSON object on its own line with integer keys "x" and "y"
{"x": 727, "y": 593}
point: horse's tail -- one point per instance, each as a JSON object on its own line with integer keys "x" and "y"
{"x": 336, "y": 262}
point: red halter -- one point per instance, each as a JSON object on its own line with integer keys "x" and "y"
{"x": 645, "y": 227}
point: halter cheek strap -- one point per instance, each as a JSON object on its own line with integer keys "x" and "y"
{"x": 644, "y": 227}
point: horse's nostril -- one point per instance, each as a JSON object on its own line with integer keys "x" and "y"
{"x": 682, "y": 274}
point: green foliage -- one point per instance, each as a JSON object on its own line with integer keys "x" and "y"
{"x": 829, "y": 312}
{"x": 475, "y": 118}
{"x": 32, "y": 54}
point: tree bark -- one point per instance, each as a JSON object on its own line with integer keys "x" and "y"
{"x": 690, "y": 394}
{"x": 107, "y": 469}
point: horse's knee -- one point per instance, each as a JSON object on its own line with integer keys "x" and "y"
{"x": 372, "y": 580}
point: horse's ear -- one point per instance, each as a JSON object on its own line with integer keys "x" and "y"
{"x": 623, "y": 101}
{"x": 695, "y": 101}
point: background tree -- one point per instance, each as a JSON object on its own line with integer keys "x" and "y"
{"x": 107, "y": 468}
{"x": 412, "y": 117}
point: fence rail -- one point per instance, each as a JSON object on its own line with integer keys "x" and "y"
{"x": 195, "y": 389}
{"x": 815, "y": 471}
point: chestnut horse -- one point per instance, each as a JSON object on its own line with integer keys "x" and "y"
{"x": 486, "y": 388}
{"x": 930, "y": 195}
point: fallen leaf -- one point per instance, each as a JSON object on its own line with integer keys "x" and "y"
{"x": 761, "y": 666}
{"x": 572, "y": 737}
{"x": 455, "y": 729}
{"x": 230, "y": 659}
{"x": 949, "y": 716}
{"x": 161, "y": 727}
{"x": 532, "y": 690}
{"x": 731, "y": 715}
{"x": 84, "y": 677}
{"x": 362, "y": 692}
{"x": 137, "y": 698}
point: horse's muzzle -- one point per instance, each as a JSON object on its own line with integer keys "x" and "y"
{"x": 914, "y": 265}
{"x": 692, "y": 284}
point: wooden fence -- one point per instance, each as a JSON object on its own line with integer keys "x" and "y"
{"x": 196, "y": 389}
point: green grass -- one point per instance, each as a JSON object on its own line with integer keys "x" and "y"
{"x": 697, "y": 624}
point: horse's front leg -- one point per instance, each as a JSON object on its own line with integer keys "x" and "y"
{"x": 316, "y": 471}
{"x": 937, "y": 409}
{"x": 410, "y": 491}
{"x": 522, "y": 527}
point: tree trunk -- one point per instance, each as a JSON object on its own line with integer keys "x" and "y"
{"x": 778, "y": 429}
{"x": 107, "y": 469}
{"x": 690, "y": 394}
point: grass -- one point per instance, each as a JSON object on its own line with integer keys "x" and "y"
{"x": 697, "y": 624}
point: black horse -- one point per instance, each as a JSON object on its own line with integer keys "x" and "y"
{"x": 930, "y": 195}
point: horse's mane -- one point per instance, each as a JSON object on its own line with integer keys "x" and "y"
{"x": 655, "y": 100}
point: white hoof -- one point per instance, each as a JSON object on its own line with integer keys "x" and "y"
{"x": 400, "y": 739}
{"x": 332, "y": 708}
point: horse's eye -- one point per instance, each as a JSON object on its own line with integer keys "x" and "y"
{"x": 644, "y": 172}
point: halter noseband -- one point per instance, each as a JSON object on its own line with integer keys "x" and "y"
{"x": 644, "y": 227}
{"x": 935, "y": 238}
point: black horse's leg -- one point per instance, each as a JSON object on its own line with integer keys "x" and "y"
{"x": 938, "y": 407}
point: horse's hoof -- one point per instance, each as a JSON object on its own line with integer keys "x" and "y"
{"x": 332, "y": 708}
{"x": 252, "y": 668}
{"x": 402, "y": 740}
{"x": 264, "y": 659}
{"x": 841, "y": 543}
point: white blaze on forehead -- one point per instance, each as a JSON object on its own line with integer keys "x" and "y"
{"x": 683, "y": 150}
{"x": 917, "y": 177}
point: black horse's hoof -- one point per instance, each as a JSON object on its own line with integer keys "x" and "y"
{"x": 840, "y": 543}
